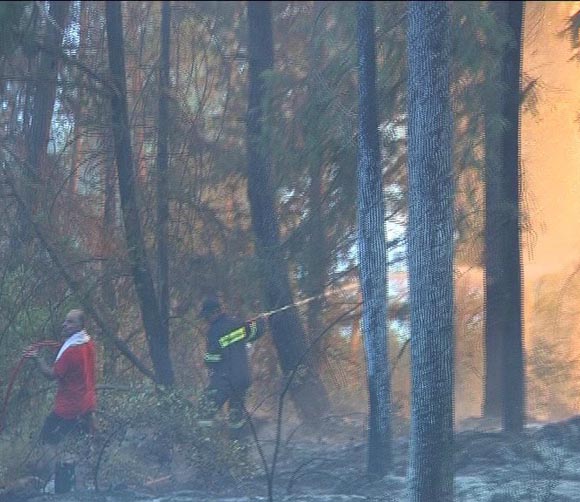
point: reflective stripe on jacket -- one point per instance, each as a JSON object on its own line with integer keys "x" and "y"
{"x": 226, "y": 354}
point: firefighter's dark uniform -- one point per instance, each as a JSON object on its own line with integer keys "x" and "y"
{"x": 229, "y": 371}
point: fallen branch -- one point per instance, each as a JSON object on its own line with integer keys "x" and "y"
{"x": 156, "y": 481}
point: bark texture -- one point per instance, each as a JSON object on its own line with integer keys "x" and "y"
{"x": 157, "y": 336}
{"x": 372, "y": 249}
{"x": 308, "y": 392}
{"x": 430, "y": 253}
{"x": 504, "y": 361}
{"x": 163, "y": 167}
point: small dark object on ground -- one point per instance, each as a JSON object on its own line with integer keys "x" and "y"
{"x": 64, "y": 477}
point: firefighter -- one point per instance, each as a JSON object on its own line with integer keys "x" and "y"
{"x": 227, "y": 361}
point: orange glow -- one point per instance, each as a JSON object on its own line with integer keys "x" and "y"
{"x": 551, "y": 141}
{"x": 551, "y": 181}
{"x": 550, "y": 147}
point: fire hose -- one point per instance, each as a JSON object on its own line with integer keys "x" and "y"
{"x": 52, "y": 344}
{"x": 27, "y": 354}
{"x": 16, "y": 370}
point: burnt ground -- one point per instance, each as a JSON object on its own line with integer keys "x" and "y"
{"x": 327, "y": 464}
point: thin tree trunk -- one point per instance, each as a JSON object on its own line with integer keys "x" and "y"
{"x": 308, "y": 392}
{"x": 373, "y": 250}
{"x": 78, "y": 135}
{"x": 137, "y": 19}
{"x": 504, "y": 379}
{"x": 157, "y": 337}
{"x": 494, "y": 311}
{"x": 513, "y": 386}
{"x": 430, "y": 238}
{"x": 78, "y": 151}
{"x": 39, "y": 107}
{"x": 317, "y": 246}
{"x": 109, "y": 217}
{"x": 163, "y": 167}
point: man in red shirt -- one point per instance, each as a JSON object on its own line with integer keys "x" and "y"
{"x": 74, "y": 372}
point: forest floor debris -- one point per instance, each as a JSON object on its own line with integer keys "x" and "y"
{"x": 328, "y": 465}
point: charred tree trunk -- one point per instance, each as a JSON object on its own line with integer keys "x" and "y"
{"x": 513, "y": 387}
{"x": 308, "y": 392}
{"x": 373, "y": 250}
{"x": 45, "y": 90}
{"x": 317, "y": 244}
{"x": 163, "y": 167}
{"x": 430, "y": 241}
{"x": 504, "y": 375}
{"x": 38, "y": 112}
{"x": 494, "y": 311}
{"x": 495, "y": 216}
{"x": 108, "y": 289}
{"x": 157, "y": 337}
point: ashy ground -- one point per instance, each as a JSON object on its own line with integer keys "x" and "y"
{"x": 328, "y": 465}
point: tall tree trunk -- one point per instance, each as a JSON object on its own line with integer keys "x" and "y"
{"x": 39, "y": 106}
{"x": 430, "y": 241}
{"x": 308, "y": 392}
{"x": 163, "y": 167}
{"x": 373, "y": 249}
{"x": 108, "y": 289}
{"x": 45, "y": 90}
{"x": 78, "y": 112}
{"x": 494, "y": 311}
{"x": 317, "y": 246}
{"x": 513, "y": 387}
{"x": 157, "y": 337}
{"x": 504, "y": 378}
{"x": 137, "y": 21}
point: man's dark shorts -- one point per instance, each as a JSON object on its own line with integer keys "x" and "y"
{"x": 55, "y": 428}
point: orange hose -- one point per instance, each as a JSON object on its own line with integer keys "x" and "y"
{"x": 16, "y": 370}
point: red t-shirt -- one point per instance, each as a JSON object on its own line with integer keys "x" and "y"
{"x": 75, "y": 374}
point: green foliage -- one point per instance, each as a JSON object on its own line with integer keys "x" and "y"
{"x": 15, "y": 449}
{"x": 23, "y": 320}
{"x": 148, "y": 431}
{"x": 19, "y": 439}
{"x": 310, "y": 129}
{"x": 478, "y": 43}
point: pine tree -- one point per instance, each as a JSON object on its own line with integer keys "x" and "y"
{"x": 157, "y": 336}
{"x": 430, "y": 253}
{"x": 372, "y": 250}
{"x": 289, "y": 337}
